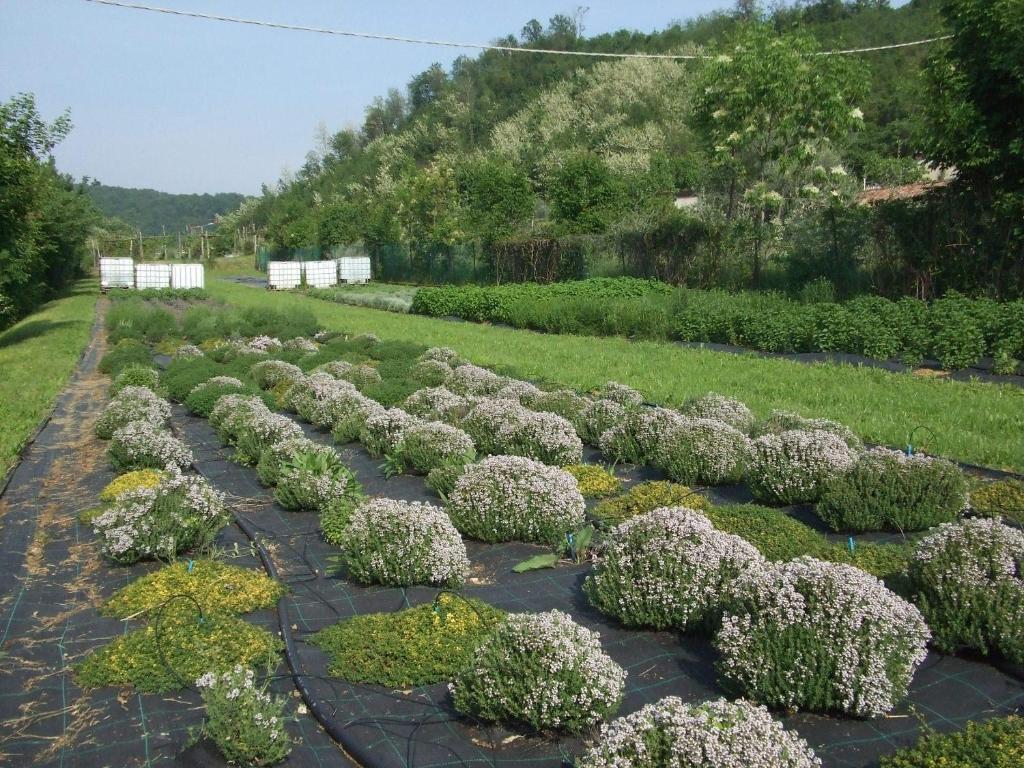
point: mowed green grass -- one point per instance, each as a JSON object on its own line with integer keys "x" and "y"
{"x": 37, "y": 357}
{"x": 970, "y": 421}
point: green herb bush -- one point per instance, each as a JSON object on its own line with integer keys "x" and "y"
{"x": 123, "y": 354}
{"x": 136, "y": 375}
{"x": 995, "y": 743}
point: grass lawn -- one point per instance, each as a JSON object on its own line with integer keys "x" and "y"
{"x": 970, "y": 421}
{"x": 36, "y": 359}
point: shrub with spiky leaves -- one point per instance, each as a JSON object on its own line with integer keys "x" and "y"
{"x": 713, "y": 734}
{"x": 703, "y": 451}
{"x": 431, "y": 444}
{"x": 543, "y": 671}
{"x": 132, "y": 403}
{"x": 720, "y": 408}
{"x": 889, "y": 490}
{"x": 401, "y": 543}
{"x": 512, "y": 498}
{"x": 794, "y": 467}
{"x": 140, "y": 445}
{"x": 668, "y": 568}
{"x": 821, "y": 637}
{"x": 968, "y": 581}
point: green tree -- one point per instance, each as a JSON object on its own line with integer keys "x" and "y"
{"x": 495, "y": 197}
{"x": 586, "y": 195}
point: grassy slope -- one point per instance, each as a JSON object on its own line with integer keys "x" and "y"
{"x": 973, "y": 422}
{"x": 37, "y": 357}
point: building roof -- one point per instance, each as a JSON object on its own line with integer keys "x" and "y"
{"x": 901, "y": 192}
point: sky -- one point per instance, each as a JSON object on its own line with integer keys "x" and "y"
{"x": 186, "y": 105}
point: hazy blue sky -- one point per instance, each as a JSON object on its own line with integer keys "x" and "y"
{"x": 184, "y": 105}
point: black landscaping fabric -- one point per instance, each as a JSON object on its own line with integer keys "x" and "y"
{"x": 55, "y": 579}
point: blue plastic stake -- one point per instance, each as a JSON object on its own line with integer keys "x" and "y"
{"x": 851, "y": 544}
{"x": 190, "y": 564}
{"x": 910, "y": 450}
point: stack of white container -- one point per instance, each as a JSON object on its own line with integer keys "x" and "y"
{"x": 125, "y": 273}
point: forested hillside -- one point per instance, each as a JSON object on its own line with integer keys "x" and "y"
{"x": 155, "y": 212}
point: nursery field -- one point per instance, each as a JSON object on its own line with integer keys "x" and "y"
{"x": 37, "y": 356}
{"x": 970, "y": 421}
{"x": 256, "y": 531}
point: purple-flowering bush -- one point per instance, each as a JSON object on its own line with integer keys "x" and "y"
{"x": 268, "y": 468}
{"x": 703, "y": 451}
{"x": 445, "y": 355}
{"x": 300, "y": 344}
{"x": 819, "y": 636}
{"x": 401, "y": 543}
{"x": 141, "y": 445}
{"x": 543, "y": 671}
{"x": 187, "y": 351}
{"x": 505, "y": 427}
{"x": 220, "y": 382}
{"x": 793, "y": 467}
{"x": 713, "y": 734}
{"x": 336, "y": 368}
{"x": 260, "y": 430}
{"x": 230, "y": 412}
{"x": 668, "y": 568}
{"x": 523, "y": 392}
{"x": 132, "y": 404}
{"x": 512, "y": 498}
{"x": 720, "y": 408}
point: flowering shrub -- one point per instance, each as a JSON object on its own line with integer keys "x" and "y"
{"x": 714, "y": 734}
{"x": 181, "y": 513}
{"x": 541, "y": 670}
{"x": 315, "y": 478}
{"x": 667, "y": 568}
{"x": 129, "y": 481}
{"x": 594, "y": 481}
{"x": 350, "y": 416}
{"x": 300, "y": 344}
{"x": 140, "y": 445}
{"x": 314, "y": 397}
{"x": 470, "y": 379}
{"x": 362, "y": 376}
{"x": 889, "y": 490}
{"x": 274, "y": 456}
{"x": 269, "y": 373}
{"x": 218, "y": 381}
{"x": 445, "y": 355}
{"x": 783, "y": 421}
{"x": 720, "y": 408}
{"x": 564, "y": 402}
{"x": 619, "y": 393}
{"x": 430, "y": 444}
{"x": 511, "y": 498}
{"x": 260, "y": 430}
{"x": 968, "y": 581}
{"x": 132, "y": 404}
{"x": 703, "y": 451}
{"x": 597, "y": 417}
{"x": 431, "y": 373}
{"x": 187, "y": 351}
{"x": 793, "y": 467}
{"x": 522, "y": 392}
{"x": 204, "y": 395}
{"x": 636, "y": 438}
{"x": 819, "y": 636}
{"x": 441, "y": 480}
{"x": 336, "y": 368}
{"x": 136, "y": 375}
{"x": 243, "y": 720}
{"x": 400, "y": 543}
{"x": 231, "y": 411}
{"x": 436, "y": 404}
{"x": 383, "y": 429}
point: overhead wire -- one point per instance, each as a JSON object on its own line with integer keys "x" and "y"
{"x": 477, "y": 46}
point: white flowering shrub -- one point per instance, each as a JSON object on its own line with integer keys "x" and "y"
{"x": 323, "y": 398}
{"x": 401, "y": 543}
{"x": 543, "y": 671}
{"x": 431, "y": 373}
{"x": 339, "y": 369}
{"x": 362, "y": 376}
{"x": 260, "y": 345}
{"x": 445, "y": 355}
{"x": 243, "y": 719}
{"x": 132, "y": 404}
{"x": 437, "y": 404}
{"x": 819, "y": 636}
{"x": 505, "y": 427}
{"x": 204, "y": 396}
{"x": 218, "y": 382}
{"x": 713, "y": 734}
{"x": 350, "y": 415}
{"x": 968, "y": 580}
{"x": 430, "y": 444}
{"x": 273, "y": 457}
{"x": 793, "y": 467}
{"x": 637, "y": 437}
{"x": 181, "y": 513}
{"x": 564, "y": 402}
{"x": 512, "y": 498}
{"x": 383, "y": 429}
{"x": 523, "y": 392}
{"x": 703, "y": 451}
{"x": 186, "y": 351}
{"x": 269, "y": 373}
{"x": 300, "y": 344}
{"x": 720, "y": 408}
{"x": 260, "y": 430}
{"x": 784, "y": 421}
{"x": 597, "y": 417}
{"x": 141, "y": 445}
{"x": 620, "y": 393}
{"x": 668, "y": 568}
{"x": 231, "y": 411}
{"x": 470, "y": 379}
{"x": 314, "y": 478}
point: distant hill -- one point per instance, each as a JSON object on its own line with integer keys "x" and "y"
{"x": 153, "y": 211}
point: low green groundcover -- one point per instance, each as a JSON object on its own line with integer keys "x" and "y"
{"x": 996, "y": 743}
{"x": 417, "y": 646}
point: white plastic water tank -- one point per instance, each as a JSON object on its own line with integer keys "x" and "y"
{"x": 116, "y": 272}
{"x": 188, "y": 276}
{"x": 283, "y": 275}
{"x": 354, "y": 269}
{"x": 152, "y": 276}
{"x": 320, "y": 274}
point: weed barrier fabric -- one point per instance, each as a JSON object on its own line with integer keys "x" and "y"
{"x": 54, "y": 581}
{"x": 418, "y": 728}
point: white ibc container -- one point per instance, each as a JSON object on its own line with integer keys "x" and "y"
{"x": 152, "y": 276}
{"x": 354, "y": 269}
{"x": 283, "y": 275}
{"x": 188, "y": 276}
{"x": 320, "y": 274}
{"x": 116, "y": 272}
